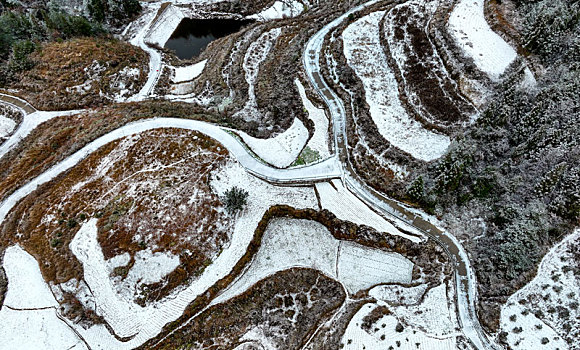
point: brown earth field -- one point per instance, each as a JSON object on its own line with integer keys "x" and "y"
{"x": 432, "y": 266}
{"x": 56, "y": 139}
{"x": 80, "y": 73}
{"x": 148, "y": 191}
{"x": 284, "y": 308}
{"x": 426, "y": 90}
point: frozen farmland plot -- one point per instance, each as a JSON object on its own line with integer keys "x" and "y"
{"x": 291, "y": 243}
{"x": 29, "y": 317}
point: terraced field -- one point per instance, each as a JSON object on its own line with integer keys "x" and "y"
{"x": 264, "y": 194}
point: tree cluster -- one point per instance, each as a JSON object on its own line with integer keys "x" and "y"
{"x": 517, "y": 168}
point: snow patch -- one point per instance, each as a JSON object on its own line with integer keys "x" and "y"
{"x": 151, "y": 267}
{"x": 254, "y": 336}
{"x": 319, "y": 141}
{"x": 121, "y": 315}
{"x": 364, "y": 53}
{"x": 26, "y": 286}
{"x": 360, "y": 267}
{"x": 393, "y": 294}
{"x": 281, "y": 150}
{"x": 488, "y": 50}
{"x": 160, "y": 31}
{"x": 37, "y": 326}
{"x": 36, "y": 329}
{"x": 118, "y": 261}
{"x": 7, "y": 125}
{"x": 188, "y": 73}
{"x": 279, "y": 10}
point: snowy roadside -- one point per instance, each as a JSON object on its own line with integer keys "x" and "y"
{"x": 320, "y": 140}
{"x": 346, "y": 206}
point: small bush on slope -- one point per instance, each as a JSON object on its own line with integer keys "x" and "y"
{"x": 235, "y": 199}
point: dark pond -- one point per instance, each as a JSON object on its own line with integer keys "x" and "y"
{"x": 193, "y": 35}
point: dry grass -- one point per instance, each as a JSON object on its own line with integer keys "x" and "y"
{"x": 60, "y": 137}
{"x": 278, "y": 305}
{"x": 149, "y": 191}
{"x": 56, "y": 81}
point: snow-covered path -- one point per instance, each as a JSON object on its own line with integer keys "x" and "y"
{"x": 319, "y": 171}
{"x": 29, "y": 123}
{"x": 471, "y": 31}
{"x": 464, "y": 276}
{"x": 328, "y": 169}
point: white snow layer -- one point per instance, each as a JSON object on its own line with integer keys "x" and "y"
{"x": 360, "y": 267}
{"x": 364, "y": 53}
{"x": 282, "y": 150}
{"x": 319, "y": 141}
{"x": 188, "y": 73}
{"x": 346, "y": 206}
{"x": 26, "y": 286}
{"x": 553, "y": 288}
{"x": 489, "y": 51}
{"x": 7, "y": 125}
{"x": 291, "y": 243}
{"x": 160, "y": 31}
{"x": 279, "y": 10}
{"x": 151, "y": 267}
{"x": 36, "y": 329}
{"x": 34, "y": 324}
{"x": 384, "y": 335}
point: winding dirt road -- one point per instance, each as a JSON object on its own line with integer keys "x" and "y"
{"x": 464, "y": 275}
{"x": 338, "y": 166}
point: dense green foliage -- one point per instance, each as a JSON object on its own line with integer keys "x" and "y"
{"x": 235, "y": 199}
{"x": 551, "y": 29}
{"x": 23, "y": 29}
{"x": 113, "y": 12}
{"x": 517, "y": 169}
